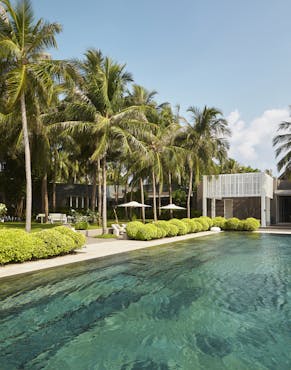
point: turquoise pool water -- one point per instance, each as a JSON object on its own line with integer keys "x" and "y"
{"x": 219, "y": 302}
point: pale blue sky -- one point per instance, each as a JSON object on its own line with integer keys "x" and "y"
{"x": 235, "y": 55}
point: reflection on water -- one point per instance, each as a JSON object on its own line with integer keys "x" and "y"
{"x": 221, "y": 302}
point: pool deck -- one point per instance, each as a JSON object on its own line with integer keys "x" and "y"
{"x": 94, "y": 249}
{"x": 97, "y": 248}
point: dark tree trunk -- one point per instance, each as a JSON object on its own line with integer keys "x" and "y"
{"x": 54, "y": 200}
{"x": 189, "y": 194}
{"x": 125, "y": 200}
{"x": 44, "y": 196}
{"x": 94, "y": 189}
{"x": 104, "y": 203}
{"x": 159, "y": 200}
{"x": 154, "y": 196}
{"x": 142, "y": 199}
{"x": 27, "y": 163}
{"x": 170, "y": 193}
{"x": 99, "y": 174}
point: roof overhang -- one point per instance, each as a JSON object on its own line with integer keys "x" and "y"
{"x": 285, "y": 192}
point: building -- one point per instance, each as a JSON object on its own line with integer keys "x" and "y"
{"x": 247, "y": 195}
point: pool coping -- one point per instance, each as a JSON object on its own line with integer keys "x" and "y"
{"x": 104, "y": 249}
{"x": 92, "y": 251}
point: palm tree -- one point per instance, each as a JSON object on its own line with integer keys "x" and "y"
{"x": 29, "y": 72}
{"x": 204, "y": 138}
{"x": 283, "y": 143}
{"x": 98, "y": 112}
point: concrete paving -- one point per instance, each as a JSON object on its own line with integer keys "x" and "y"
{"x": 100, "y": 248}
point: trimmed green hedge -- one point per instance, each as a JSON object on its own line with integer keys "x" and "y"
{"x": 160, "y": 229}
{"x": 19, "y": 246}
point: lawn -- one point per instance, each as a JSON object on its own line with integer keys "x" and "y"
{"x": 36, "y": 226}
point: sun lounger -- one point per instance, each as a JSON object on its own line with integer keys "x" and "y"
{"x": 118, "y": 230}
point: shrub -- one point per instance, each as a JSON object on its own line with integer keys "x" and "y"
{"x": 219, "y": 222}
{"x": 182, "y": 228}
{"x": 132, "y": 228}
{"x": 82, "y": 225}
{"x": 232, "y": 224}
{"x": 251, "y": 224}
{"x": 164, "y": 225}
{"x": 16, "y": 245}
{"x": 203, "y": 222}
{"x": 208, "y": 220}
{"x": 55, "y": 242}
{"x": 189, "y": 225}
{"x": 147, "y": 232}
{"x": 197, "y": 227}
{"x": 79, "y": 239}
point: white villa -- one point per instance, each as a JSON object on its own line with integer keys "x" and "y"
{"x": 247, "y": 195}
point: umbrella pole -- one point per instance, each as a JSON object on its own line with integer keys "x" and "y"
{"x": 115, "y": 214}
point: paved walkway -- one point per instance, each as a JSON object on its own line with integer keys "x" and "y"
{"x": 100, "y": 248}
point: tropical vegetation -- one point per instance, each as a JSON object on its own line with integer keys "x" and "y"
{"x": 87, "y": 121}
{"x": 138, "y": 231}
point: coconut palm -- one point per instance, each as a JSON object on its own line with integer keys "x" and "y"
{"x": 29, "y": 72}
{"x": 282, "y": 142}
{"x": 98, "y": 112}
{"x": 204, "y": 138}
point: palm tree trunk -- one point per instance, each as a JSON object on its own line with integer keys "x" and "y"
{"x": 99, "y": 192}
{"x": 104, "y": 203}
{"x": 170, "y": 193}
{"x": 159, "y": 200}
{"x": 142, "y": 199}
{"x": 54, "y": 199}
{"x": 44, "y": 193}
{"x": 154, "y": 196}
{"x": 189, "y": 194}
{"x": 125, "y": 200}
{"x": 27, "y": 164}
{"x": 94, "y": 189}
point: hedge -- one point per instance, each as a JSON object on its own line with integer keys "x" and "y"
{"x": 19, "y": 246}
{"x": 159, "y": 229}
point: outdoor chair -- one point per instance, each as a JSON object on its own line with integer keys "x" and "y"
{"x": 118, "y": 230}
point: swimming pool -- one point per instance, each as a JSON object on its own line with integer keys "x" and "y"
{"x": 219, "y": 302}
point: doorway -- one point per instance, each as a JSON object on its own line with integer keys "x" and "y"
{"x": 228, "y": 208}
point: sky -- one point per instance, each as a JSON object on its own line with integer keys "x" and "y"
{"x": 231, "y": 54}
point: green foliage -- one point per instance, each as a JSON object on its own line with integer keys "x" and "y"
{"x": 182, "y": 228}
{"x": 82, "y": 225}
{"x": 79, "y": 239}
{"x": 197, "y": 227}
{"x": 188, "y": 223}
{"x": 3, "y": 209}
{"x": 251, "y": 224}
{"x": 170, "y": 229}
{"x": 232, "y": 224}
{"x": 208, "y": 220}
{"x": 132, "y": 229}
{"x": 219, "y": 222}
{"x": 55, "y": 242}
{"x": 19, "y": 246}
{"x": 148, "y": 232}
{"x": 204, "y": 223}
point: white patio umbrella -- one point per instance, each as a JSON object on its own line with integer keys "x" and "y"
{"x": 133, "y": 205}
{"x": 172, "y": 206}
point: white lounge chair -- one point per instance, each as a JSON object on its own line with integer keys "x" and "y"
{"x": 118, "y": 230}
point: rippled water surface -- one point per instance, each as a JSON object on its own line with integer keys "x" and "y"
{"x": 219, "y": 302}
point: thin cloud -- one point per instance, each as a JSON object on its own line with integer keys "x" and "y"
{"x": 251, "y": 143}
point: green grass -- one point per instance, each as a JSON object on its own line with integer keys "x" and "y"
{"x": 106, "y": 236}
{"x": 35, "y": 226}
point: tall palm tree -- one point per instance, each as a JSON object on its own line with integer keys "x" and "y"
{"x": 205, "y": 139}
{"x": 283, "y": 143}
{"x": 99, "y": 113}
{"x": 29, "y": 72}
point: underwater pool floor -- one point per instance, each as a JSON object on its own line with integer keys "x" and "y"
{"x": 220, "y": 302}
